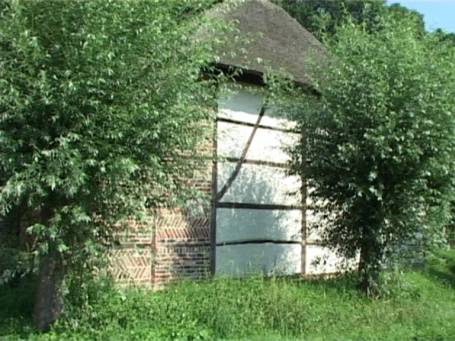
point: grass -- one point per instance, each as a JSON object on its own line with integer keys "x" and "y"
{"x": 419, "y": 306}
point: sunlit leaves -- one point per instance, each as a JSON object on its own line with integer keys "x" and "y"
{"x": 380, "y": 141}
{"x": 99, "y": 100}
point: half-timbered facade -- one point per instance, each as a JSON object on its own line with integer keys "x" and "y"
{"x": 257, "y": 218}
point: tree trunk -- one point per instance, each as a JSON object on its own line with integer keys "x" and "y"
{"x": 49, "y": 300}
{"x": 370, "y": 263}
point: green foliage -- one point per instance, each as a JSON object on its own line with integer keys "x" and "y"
{"x": 99, "y": 100}
{"x": 419, "y": 306}
{"x": 379, "y": 143}
{"x": 14, "y": 264}
{"x": 410, "y": 16}
{"x": 15, "y": 299}
{"x": 323, "y": 17}
{"x": 442, "y": 265}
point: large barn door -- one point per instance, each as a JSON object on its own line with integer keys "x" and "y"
{"x": 258, "y": 207}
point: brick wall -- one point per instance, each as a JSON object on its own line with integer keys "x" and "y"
{"x": 182, "y": 236}
{"x": 174, "y": 244}
{"x": 182, "y": 246}
{"x": 131, "y": 260}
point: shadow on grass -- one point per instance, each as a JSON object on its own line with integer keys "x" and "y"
{"x": 441, "y": 266}
{"x": 346, "y": 283}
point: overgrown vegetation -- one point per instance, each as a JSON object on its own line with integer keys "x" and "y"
{"x": 99, "y": 101}
{"x": 378, "y": 144}
{"x": 419, "y": 306}
{"x": 322, "y": 17}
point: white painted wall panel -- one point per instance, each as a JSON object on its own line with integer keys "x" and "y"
{"x": 240, "y": 101}
{"x": 267, "y": 145}
{"x": 274, "y": 117}
{"x": 271, "y": 145}
{"x": 256, "y": 184}
{"x": 247, "y": 224}
{"x": 242, "y": 105}
{"x": 314, "y": 225}
{"x": 267, "y": 259}
{"x": 232, "y": 139}
{"x": 320, "y": 260}
{"x": 259, "y": 185}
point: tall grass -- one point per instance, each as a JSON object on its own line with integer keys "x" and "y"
{"x": 419, "y": 306}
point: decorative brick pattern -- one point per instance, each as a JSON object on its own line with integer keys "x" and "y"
{"x": 174, "y": 245}
{"x": 132, "y": 265}
{"x": 182, "y": 246}
{"x": 190, "y": 234}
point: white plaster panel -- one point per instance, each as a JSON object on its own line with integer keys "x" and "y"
{"x": 317, "y": 220}
{"x": 267, "y": 145}
{"x": 246, "y": 224}
{"x": 239, "y": 101}
{"x": 314, "y": 224}
{"x": 259, "y": 185}
{"x": 243, "y": 105}
{"x": 231, "y": 139}
{"x": 320, "y": 260}
{"x": 267, "y": 259}
{"x": 271, "y": 145}
{"x": 276, "y": 118}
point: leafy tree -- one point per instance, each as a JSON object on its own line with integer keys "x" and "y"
{"x": 445, "y": 36}
{"x": 379, "y": 144}
{"x": 321, "y": 16}
{"x": 99, "y": 102}
{"x": 413, "y": 17}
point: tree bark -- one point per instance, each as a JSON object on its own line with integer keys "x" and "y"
{"x": 371, "y": 253}
{"x": 49, "y": 300}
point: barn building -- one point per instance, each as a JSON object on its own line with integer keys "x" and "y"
{"x": 257, "y": 218}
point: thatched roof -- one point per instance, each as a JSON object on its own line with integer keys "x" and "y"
{"x": 265, "y": 36}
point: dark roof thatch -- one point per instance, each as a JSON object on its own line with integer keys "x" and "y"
{"x": 265, "y": 36}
